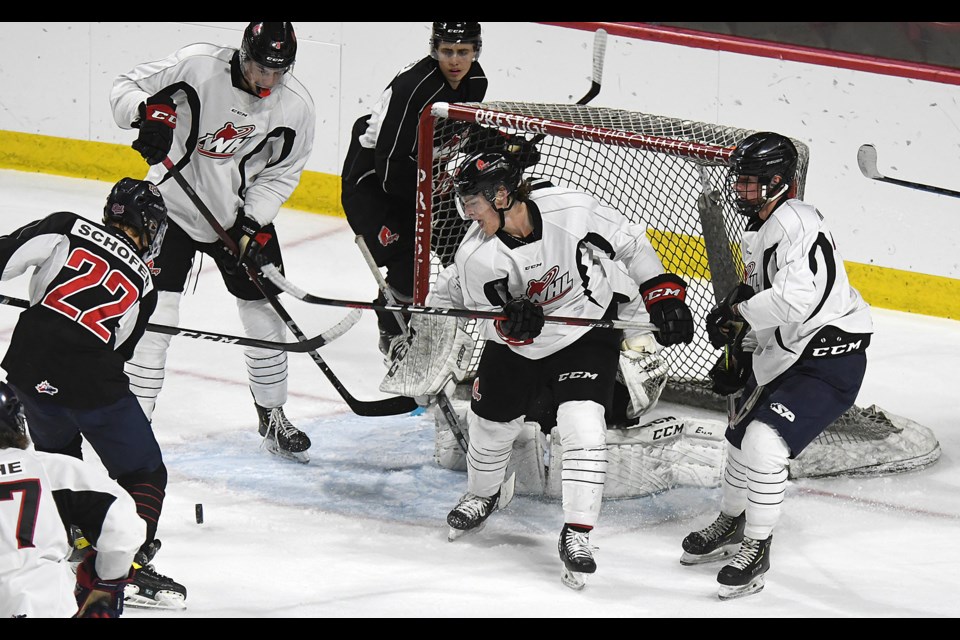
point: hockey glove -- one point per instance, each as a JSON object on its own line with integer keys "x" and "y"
{"x": 524, "y": 150}
{"x": 158, "y": 119}
{"x": 524, "y": 320}
{"x": 96, "y": 597}
{"x": 731, "y": 371}
{"x": 250, "y": 238}
{"x": 664, "y": 297}
{"x": 724, "y": 325}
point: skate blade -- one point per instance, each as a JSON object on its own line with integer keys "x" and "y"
{"x": 271, "y": 446}
{"x": 573, "y": 579}
{"x": 163, "y": 600}
{"x": 688, "y": 559}
{"x": 456, "y": 534}
{"x": 729, "y": 593}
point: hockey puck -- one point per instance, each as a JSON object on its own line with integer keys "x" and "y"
{"x": 199, "y": 510}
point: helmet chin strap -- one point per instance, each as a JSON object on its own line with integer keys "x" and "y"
{"x": 503, "y": 211}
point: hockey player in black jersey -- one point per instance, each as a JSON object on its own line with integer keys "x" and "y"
{"x": 379, "y": 177}
{"x": 91, "y": 295}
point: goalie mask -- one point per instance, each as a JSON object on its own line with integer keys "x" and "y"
{"x": 13, "y": 426}
{"x": 456, "y": 33}
{"x": 138, "y": 204}
{"x": 483, "y": 174}
{"x": 763, "y": 156}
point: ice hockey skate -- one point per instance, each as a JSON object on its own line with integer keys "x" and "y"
{"x": 576, "y": 553}
{"x": 280, "y": 437}
{"x": 721, "y": 539}
{"x": 744, "y": 575}
{"x": 470, "y": 515}
{"x": 152, "y": 590}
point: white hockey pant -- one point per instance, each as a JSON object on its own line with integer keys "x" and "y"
{"x": 755, "y": 479}
{"x": 583, "y": 446}
{"x": 489, "y": 452}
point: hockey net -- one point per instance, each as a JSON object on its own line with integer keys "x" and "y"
{"x": 668, "y": 174}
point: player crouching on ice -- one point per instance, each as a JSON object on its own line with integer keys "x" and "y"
{"x": 532, "y": 252}
{"x": 795, "y": 337}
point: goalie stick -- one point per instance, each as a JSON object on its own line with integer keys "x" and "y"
{"x": 387, "y": 407}
{"x": 443, "y": 402}
{"x": 315, "y": 342}
{"x": 273, "y": 275}
{"x": 867, "y": 160}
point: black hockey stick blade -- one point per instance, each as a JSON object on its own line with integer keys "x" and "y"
{"x": 867, "y": 160}
{"x": 315, "y": 342}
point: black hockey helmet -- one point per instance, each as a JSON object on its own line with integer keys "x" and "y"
{"x": 764, "y": 155}
{"x": 271, "y": 44}
{"x": 456, "y": 32}
{"x": 12, "y": 423}
{"x": 483, "y": 174}
{"x": 138, "y": 204}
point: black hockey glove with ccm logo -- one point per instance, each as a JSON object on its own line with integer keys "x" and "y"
{"x": 731, "y": 371}
{"x": 524, "y": 320}
{"x": 250, "y": 238}
{"x": 664, "y": 297}
{"x": 158, "y": 119}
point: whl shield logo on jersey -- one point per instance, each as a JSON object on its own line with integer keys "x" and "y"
{"x": 226, "y": 142}
{"x": 549, "y": 287}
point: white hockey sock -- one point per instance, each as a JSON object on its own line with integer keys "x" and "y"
{"x": 583, "y": 446}
{"x": 266, "y": 368}
{"x": 767, "y": 459}
{"x": 489, "y": 452}
{"x": 147, "y": 367}
{"x": 734, "y": 497}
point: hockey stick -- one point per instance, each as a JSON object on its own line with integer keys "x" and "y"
{"x": 274, "y": 276}
{"x": 326, "y": 337}
{"x": 867, "y": 159}
{"x": 443, "y": 402}
{"x": 599, "y": 54}
{"x": 387, "y": 407}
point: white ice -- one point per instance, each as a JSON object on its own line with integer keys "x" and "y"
{"x": 360, "y": 532}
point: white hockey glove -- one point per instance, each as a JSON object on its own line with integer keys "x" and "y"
{"x": 438, "y": 353}
{"x": 643, "y": 371}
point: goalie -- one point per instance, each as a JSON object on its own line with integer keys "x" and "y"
{"x": 527, "y": 254}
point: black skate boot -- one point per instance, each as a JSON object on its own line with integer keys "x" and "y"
{"x": 719, "y": 540}
{"x": 152, "y": 590}
{"x": 577, "y": 556}
{"x": 744, "y": 574}
{"x": 280, "y": 436}
{"x": 470, "y": 514}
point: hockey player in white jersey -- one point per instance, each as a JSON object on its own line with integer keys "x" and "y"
{"x": 39, "y": 492}
{"x": 794, "y": 336}
{"x": 530, "y": 253}
{"x": 239, "y": 127}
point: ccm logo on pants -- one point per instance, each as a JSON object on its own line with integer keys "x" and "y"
{"x": 570, "y": 375}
